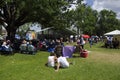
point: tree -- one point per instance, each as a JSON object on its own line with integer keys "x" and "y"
{"x": 74, "y": 16}
{"x": 90, "y": 19}
{"x": 84, "y": 18}
{"x": 106, "y": 22}
{"x": 0, "y": 29}
{"x": 14, "y": 13}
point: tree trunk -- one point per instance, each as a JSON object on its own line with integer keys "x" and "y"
{"x": 78, "y": 32}
{"x": 11, "y": 31}
{"x": 0, "y": 30}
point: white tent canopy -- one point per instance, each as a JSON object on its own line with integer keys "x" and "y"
{"x": 44, "y": 29}
{"x": 115, "y": 32}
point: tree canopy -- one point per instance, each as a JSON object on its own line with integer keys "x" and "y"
{"x": 55, "y": 13}
{"x": 14, "y": 13}
{"x": 107, "y": 22}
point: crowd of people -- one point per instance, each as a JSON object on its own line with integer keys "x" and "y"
{"x": 31, "y": 46}
{"x": 112, "y": 42}
{"x": 54, "y": 47}
{"x": 56, "y": 58}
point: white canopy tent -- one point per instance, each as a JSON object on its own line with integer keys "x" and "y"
{"x": 44, "y": 29}
{"x": 115, "y": 32}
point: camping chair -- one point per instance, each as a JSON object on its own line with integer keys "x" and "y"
{"x": 23, "y": 49}
{"x": 31, "y": 49}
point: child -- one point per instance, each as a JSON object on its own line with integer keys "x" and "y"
{"x": 51, "y": 60}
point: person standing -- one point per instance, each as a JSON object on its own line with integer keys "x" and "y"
{"x": 90, "y": 42}
{"x": 82, "y": 42}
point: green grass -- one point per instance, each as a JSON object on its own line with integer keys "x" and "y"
{"x": 101, "y": 64}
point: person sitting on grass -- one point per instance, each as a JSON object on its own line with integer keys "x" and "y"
{"x": 61, "y": 62}
{"x": 23, "y": 46}
{"x": 58, "y": 49}
{"x": 51, "y": 60}
{"x": 6, "y": 47}
{"x": 116, "y": 43}
{"x": 31, "y": 48}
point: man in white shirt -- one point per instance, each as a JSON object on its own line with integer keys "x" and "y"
{"x": 62, "y": 62}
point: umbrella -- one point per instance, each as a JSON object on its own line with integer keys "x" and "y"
{"x": 86, "y": 36}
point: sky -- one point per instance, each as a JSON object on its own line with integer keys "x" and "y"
{"x": 99, "y": 5}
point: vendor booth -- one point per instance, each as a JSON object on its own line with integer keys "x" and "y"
{"x": 115, "y": 38}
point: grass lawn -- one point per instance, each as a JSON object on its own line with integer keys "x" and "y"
{"x": 101, "y": 64}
